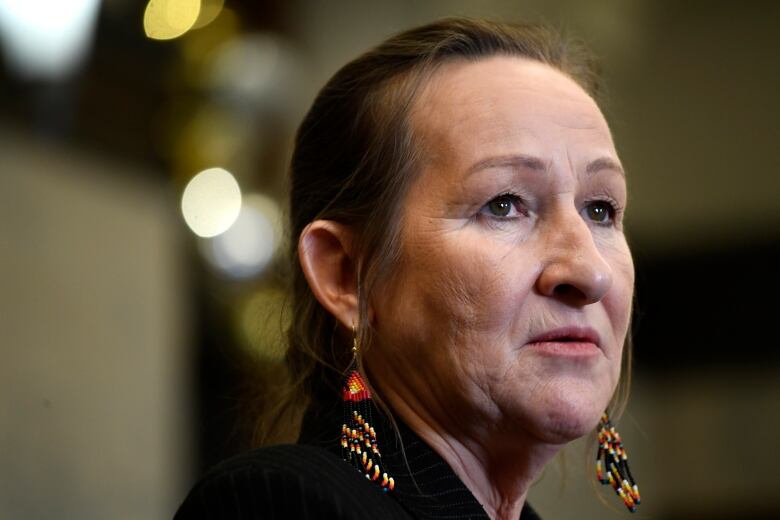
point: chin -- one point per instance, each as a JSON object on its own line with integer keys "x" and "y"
{"x": 564, "y": 427}
{"x": 565, "y": 416}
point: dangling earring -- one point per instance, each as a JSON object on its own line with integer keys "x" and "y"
{"x": 615, "y": 460}
{"x": 358, "y": 437}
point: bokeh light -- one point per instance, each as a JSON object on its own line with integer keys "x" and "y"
{"x": 246, "y": 65}
{"x": 211, "y": 202}
{"x": 168, "y": 19}
{"x": 197, "y": 46}
{"x": 260, "y": 68}
{"x": 209, "y": 10}
{"x": 249, "y": 245}
{"x": 46, "y": 38}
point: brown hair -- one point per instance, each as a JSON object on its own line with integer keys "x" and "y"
{"x": 353, "y": 161}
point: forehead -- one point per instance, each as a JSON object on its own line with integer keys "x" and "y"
{"x": 493, "y": 105}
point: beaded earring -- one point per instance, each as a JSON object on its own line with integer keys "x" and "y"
{"x": 358, "y": 437}
{"x": 615, "y": 461}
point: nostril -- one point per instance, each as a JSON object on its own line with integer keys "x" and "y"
{"x": 569, "y": 293}
{"x": 565, "y": 289}
{"x": 574, "y": 282}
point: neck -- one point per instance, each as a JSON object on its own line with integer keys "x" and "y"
{"x": 497, "y": 467}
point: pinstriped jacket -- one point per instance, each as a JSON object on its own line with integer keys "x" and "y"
{"x": 309, "y": 480}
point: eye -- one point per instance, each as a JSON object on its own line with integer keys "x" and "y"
{"x": 601, "y": 211}
{"x": 503, "y": 206}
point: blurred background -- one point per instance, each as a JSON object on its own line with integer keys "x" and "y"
{"x": 143, "y": 149}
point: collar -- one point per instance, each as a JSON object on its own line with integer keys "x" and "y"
{"x": 425, "y": 485}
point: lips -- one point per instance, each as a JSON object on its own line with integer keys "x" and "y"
{"x": 568, "y": 335}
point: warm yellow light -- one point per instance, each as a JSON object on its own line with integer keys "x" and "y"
{"x": 211, "y": 202}
{"x": 209, "y": 10}
{"x": 168, "y": 19}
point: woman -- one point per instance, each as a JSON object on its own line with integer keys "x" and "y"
{"x": 457, "y": 212}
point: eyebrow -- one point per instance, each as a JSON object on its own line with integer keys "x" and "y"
{"x": 530, "y": 162}
{"x": 604, "y": 163}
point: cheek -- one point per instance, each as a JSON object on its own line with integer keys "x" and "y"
{"x": 618, "y": 303}
{"x": 471, "y": 284}
{"x": 449, "y": 307}
{"x": 620, "y": 297}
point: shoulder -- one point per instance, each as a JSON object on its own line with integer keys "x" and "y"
{"x": 286, "y": 481}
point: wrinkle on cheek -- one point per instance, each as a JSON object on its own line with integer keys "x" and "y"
{"x": 460, "y": 300}
{"x": 619, "y": 257}
{"x": 456, "y": 279}
{"x": 616, "y": 252}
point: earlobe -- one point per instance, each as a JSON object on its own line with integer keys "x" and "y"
{"x": 324, "y": 250}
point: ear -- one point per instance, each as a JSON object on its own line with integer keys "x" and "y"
{"x": 324, "y": 250}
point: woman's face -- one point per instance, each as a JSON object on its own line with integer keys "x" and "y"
{"x": 512, "y": 230}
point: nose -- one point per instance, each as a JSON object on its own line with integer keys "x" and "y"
{"x": 574, "y": 271}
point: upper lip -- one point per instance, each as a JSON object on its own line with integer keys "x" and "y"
{"x": 572, "y": 333}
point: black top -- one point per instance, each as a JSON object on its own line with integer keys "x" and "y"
{"x": 310, "y": 480}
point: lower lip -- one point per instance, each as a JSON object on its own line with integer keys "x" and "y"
{"x": 572, "y": 349}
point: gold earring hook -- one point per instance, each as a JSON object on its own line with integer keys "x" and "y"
{"x": 354, "y": 339}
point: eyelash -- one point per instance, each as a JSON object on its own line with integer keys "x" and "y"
{"x": 516, "y": 201}
{"x": 614, "y": 208}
